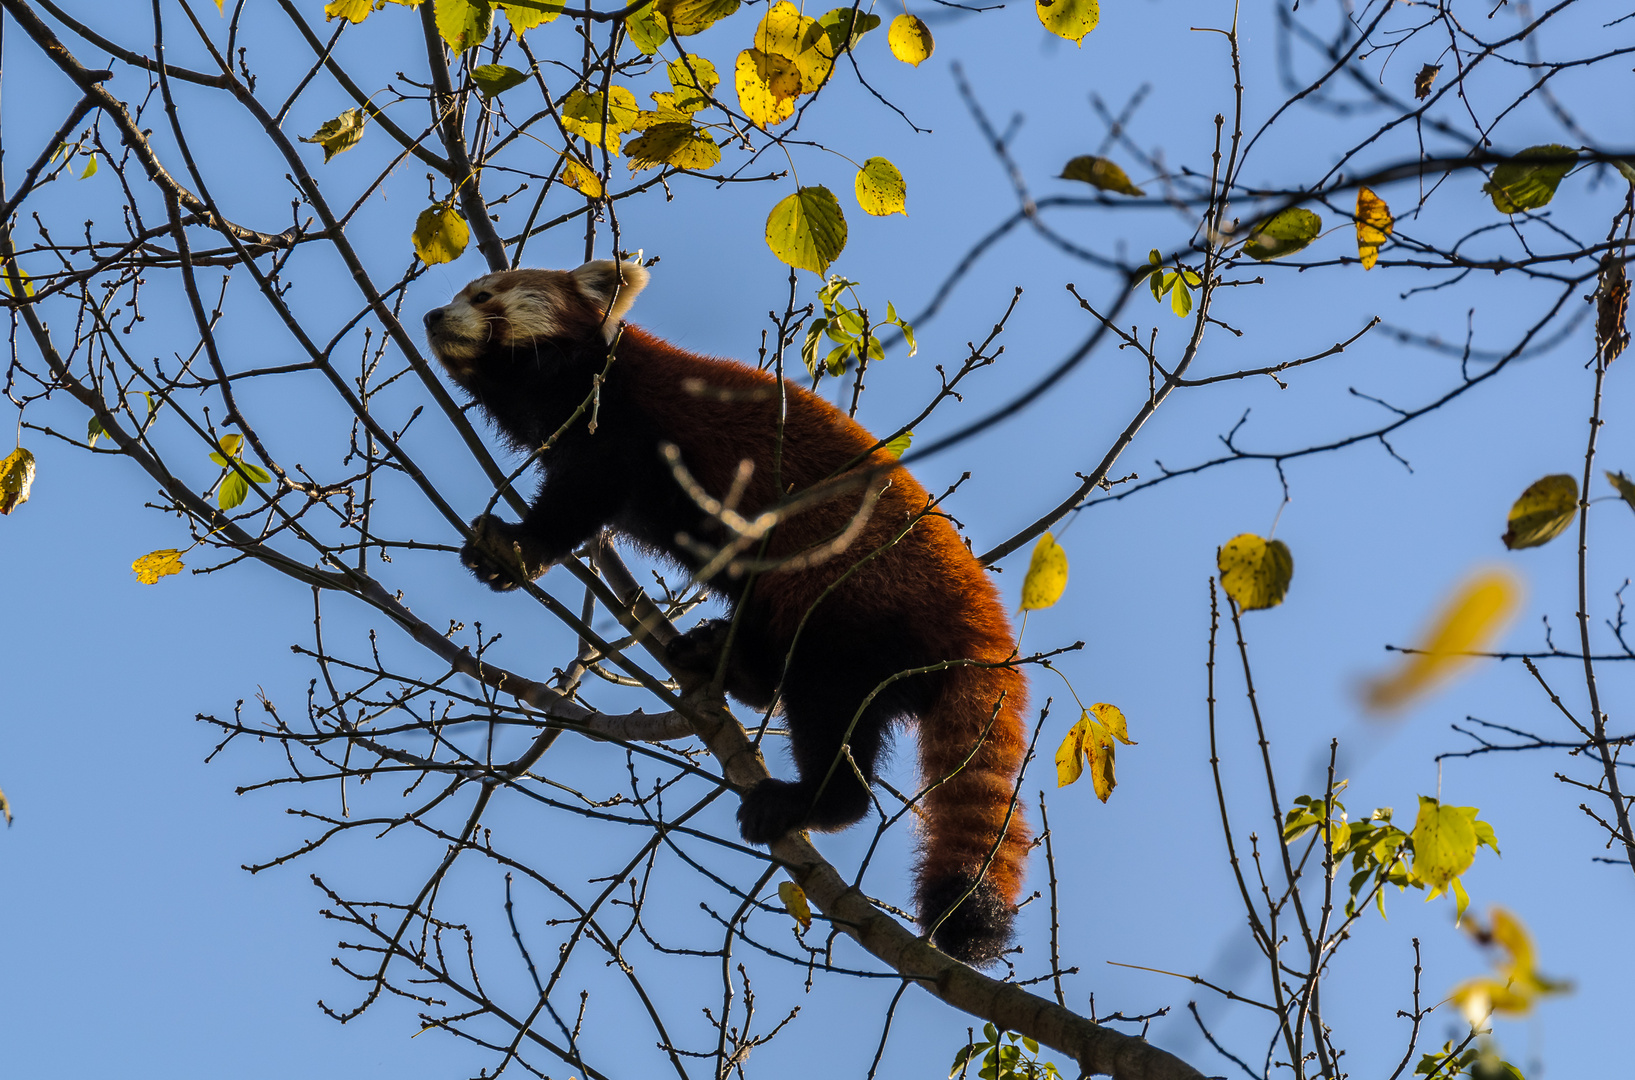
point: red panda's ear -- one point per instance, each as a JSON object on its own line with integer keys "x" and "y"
{"x": 612, "y": 287}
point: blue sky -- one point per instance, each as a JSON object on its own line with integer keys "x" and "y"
{"x": 133, "y": 941}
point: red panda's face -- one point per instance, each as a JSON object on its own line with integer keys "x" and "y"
{"x": 513, "y": 307}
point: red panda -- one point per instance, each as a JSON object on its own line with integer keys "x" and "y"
{"x": 828, "y": 638}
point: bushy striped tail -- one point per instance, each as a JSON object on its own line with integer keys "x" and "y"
{"x": 974, "y": 850}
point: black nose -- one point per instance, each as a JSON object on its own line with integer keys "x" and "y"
{"x": 433, "y": 317}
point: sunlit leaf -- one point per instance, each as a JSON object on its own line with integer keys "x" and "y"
{"x": 1070, "y": 19}
{"x": 648, "y": 29}
{"x": 688, "y": 17}
{"x": 1091, "y": 741}
{"x": 340, "y": 134}
{"x": 1070, "y": 755}
{"x": 1113, "y": 720}
{"x": 786, "y": 32}
{"x": 1099, "y": 172}
{"x": 1444, "y": 843}
{"x": 464, "y": 23}
{"x": 681, "y": 145}
{"x": 1180, "y": 297}
{"x": 794, "y": 902}
{"x": 899, "y": 446}
{"x": 440, "y": 234}
{"x": 157, "y": 564}
{"x": 1047, "y": 575}
{"x": 16, "y": 477}
{"x": 90, "y": 169}
{"x": 1254, "y": 572}
{"x": 1374, "y": 225}
{"x": 910, "y": 40}
{"x": 694, "y": 79}
{"x": 881, "y": 189}
{"x": 232, "y": 490}
{"x": 806, "y": 230}
{"x": 1425, "y": 79}
{"x": 582, "y": 178}
{"x": 492, "y": 80}
{"x": 844, "y": 31}
{"x": 1518, "y": 984}
{"x": 600, "y": 120}
{"x": 353, "y": 11}
{"x": 1525, "y": 184}
{"x": 1546, "y": 508}
{"x": 768, "y": 85}
{"x": 1283, "y": 233}
{"x": 524, "y": 15}
{"x": 1468, "y": 621}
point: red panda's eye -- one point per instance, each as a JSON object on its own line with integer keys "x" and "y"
{"x": 482, "y": 298}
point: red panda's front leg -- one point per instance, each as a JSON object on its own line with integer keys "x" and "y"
{"x": 573, "y": 505}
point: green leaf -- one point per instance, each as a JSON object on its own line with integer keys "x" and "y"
{"x": 1627, "y": 168}
{"x": 464, "y": 23}
{"x": 1099, "y": 172}
{"x": 257, "y": 473}
{"x": 910, "y": 39}
{"x": 93, "y": 431}
{"x": 353, "y": 11}
{"x": 440, "y": 234}
{"x": 1255, "y": 573}
{"x": 340, "y": 134}
{"x": 1180, "y": 298}
{"x": 90, "y": 168}
{"x": 899, "y": 446}
{"x": 1521, "y": 184}
{"x": 881, "y": 190}
{"x": 1283, "y": 233}
{"x": 845, "y": 32}
{"x": 527, "y": 14}
{"x": 232, "y": 491}
{"x": 1544, "y": 510}
{"x": 1625, "y": 486}
{"x": 689, "y": 17}
{"x": 1070, "y": 19}
{"x": 648, "y": 29}
{"x": 680, "y": 145}
{"x": 495, "y": 79}
{"x": 806, "y": 230}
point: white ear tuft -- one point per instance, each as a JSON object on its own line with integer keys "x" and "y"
{"x": 611, "y": 286}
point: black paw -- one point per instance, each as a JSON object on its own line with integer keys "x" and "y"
{"x": 696, "y": 654}
{"x": 772, "y": 809}
{"x": 499, "y": 554}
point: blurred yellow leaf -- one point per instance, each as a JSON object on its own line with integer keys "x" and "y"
{"x": 881, "y": 189}
{"x": 1469, "y": 619}
{"x": 340, "y": 134}
{"x": 806, "y": 230}
{"x": 157, "y": 564}
{"x": 440, "y": 234}
{"x": 1527, "y": 184}
{"x": 1546, "y": 508}
{"x": 1047, "y": 575}
{"x": 1070, "y": 19}
{"x": 16, "y": 477}
{"x": 767, "y": 85}
{"x": 5, "y": 807}
{"x": 910, "y": 40}
{"x": 1099, "y": 172}
{"x": 1625, "y": 486}
{"x": 1374, "y": 225}
{"x": 794, "y": 902}
{"x": 1425, "y": 79}
{"x": 1518, "y": 985}
{"x": 1255, "y": 573}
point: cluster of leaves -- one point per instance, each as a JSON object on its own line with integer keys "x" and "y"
{"x": 234, "y": 484}
{"x": 1003, "y": 1056}
{"x": 1516, "y": 984}
{"x": 1177, "y": 283}
{"x": 1441, "y": 847}
{"x": 850, "y": 330}
{"x": 1091, "y": 741}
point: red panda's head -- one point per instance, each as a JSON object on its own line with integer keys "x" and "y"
{"x": 505, "y": 310}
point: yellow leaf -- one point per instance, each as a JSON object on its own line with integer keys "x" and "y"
{"x": 1099, "y": 172}
{"x": 648, "y": 30}
{"x": 681, "y": 145}
{"x": 1625, "y": 486}
{"x": 1070, "y": 19}
{"x": 581, "y": 178}
{"x": 1112, "y": 719}
{"x": 10, "y": 275}
{"x": 767, "y": 84}
{"x": 353, "y": 11}
{"x": 910, "y": 40}
{"x": 440, "y": 234}
{"x": 1283, "y": 233}
{"x": 1518, "y": 985}
{"x": 464, "y": 23}
{"x": 90, "y": 168}
{"x": 806, "y": 230}
{"x": 231, "y": 444}
{"x": 1070, "y": 755}
{"x": 786, "y": 32}
{"x": 1444, "y": 843}
{"x": 794, "y": 902}
{"x": 688, "y": 17}
{"x": 340, "y": 134}
{"x": 1425, "y": 80}
{"x": 694, "y": 79}
{"x": 1099, "y": 747}
{"x": 1047, "y": 575}
{"x": 1255, "y": 573}
{"x": 599, "y": 120}
{"x": 881, "y": 189}
{"x": 1546, "y": 508}
{"x": 524, "y": 15}
{"x": 1374, "y": 224}
{"x": 5, "y": 805}
{"x": 157, "y": 564}
{"x": 1472, "y": 617}
{"x": 16, "y": 477}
